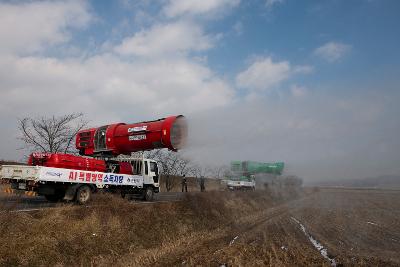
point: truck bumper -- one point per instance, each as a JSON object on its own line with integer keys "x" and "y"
{"x": 20, "y": 192}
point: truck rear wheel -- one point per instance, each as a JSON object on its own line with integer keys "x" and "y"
{"x": 83, "y": 194}
{"x": 148, "y": 194}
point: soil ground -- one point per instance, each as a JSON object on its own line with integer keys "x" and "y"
{"x": 357, "y": 227}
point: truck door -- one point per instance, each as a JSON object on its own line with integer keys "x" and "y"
{"x": 154, "y": 171}
{"x": 150, "y": 172}
{"x": 148, "y": 179}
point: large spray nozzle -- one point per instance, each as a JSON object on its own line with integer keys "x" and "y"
{"x": 121, "y": 138}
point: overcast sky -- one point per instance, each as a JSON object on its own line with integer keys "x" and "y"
{"x": 312, "y": 83}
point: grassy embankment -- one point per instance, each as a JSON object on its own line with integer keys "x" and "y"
{"x": 115, "y": 231}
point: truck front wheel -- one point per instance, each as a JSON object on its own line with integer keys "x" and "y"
{"x": 83, "y": 195}
{"x": 148, "y": 194}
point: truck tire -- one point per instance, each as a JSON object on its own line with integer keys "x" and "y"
{"x": 83, "y": 194}
{"x": 148, "y": 194}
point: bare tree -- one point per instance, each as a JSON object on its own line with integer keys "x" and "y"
{"x": 51, "y": 134}
{"x": 172, "y": 165}
{"x": 169, "y": 162}
{"x": 218, "y": 172}
{"x": 201, "y": 170}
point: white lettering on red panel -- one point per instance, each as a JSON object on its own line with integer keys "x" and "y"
{"x": 137, "y": 129}
{"x": 137, "y": 137}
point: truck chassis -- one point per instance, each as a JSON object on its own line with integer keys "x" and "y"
{"x": 57, "y": 184}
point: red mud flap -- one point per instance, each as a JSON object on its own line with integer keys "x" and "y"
{"x": 8, "y": 191}
{"x": 30, "y": 193}
{"x": 20, "y": 192}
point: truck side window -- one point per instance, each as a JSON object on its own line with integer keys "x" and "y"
{"x": 146, "y": 168}
{"x": 153, "y": 167}
{"x": 137, "y": 167}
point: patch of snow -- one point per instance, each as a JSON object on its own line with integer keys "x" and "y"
{"x": 372, "y": 223}
{"x": 284, "y": 248}
{"x": 218, "y": 250}
{"x": 316, "y": 244}
{"x": 233, "y": 240}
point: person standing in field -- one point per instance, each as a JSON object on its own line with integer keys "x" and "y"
{"x": 184, "y": 183}
{"x": 202, "y": 184}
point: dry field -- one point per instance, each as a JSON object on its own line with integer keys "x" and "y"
{"x": 193, "y": 184}
{"x": 357, "y": 227}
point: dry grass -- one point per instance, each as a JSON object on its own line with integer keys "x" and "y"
{"x": 113, "y": 229}
{"x": 2, "y": 187}
{"x": 74, "y": 235}
{"x": 199, "y": 231}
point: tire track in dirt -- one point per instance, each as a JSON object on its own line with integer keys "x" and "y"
{"x": 194, "y": 248}
{"x": 215, "y": 249}
{"x": 339, "y": 220}
{"x": 326, "y": 217}
{"x": 279, "y": 218}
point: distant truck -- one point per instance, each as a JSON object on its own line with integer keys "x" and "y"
{"x": 241, "y": 184}
{"x": 252, "y": 167}
{"x": 243, "y": 173}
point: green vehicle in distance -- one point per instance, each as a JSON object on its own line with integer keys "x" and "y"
{"x": 243, "y": 173}
{"x": 253, "y": 167}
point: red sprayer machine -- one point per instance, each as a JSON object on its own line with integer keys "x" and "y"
{"x": 70, "y": 177}
{"x": 121, "y": 138}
